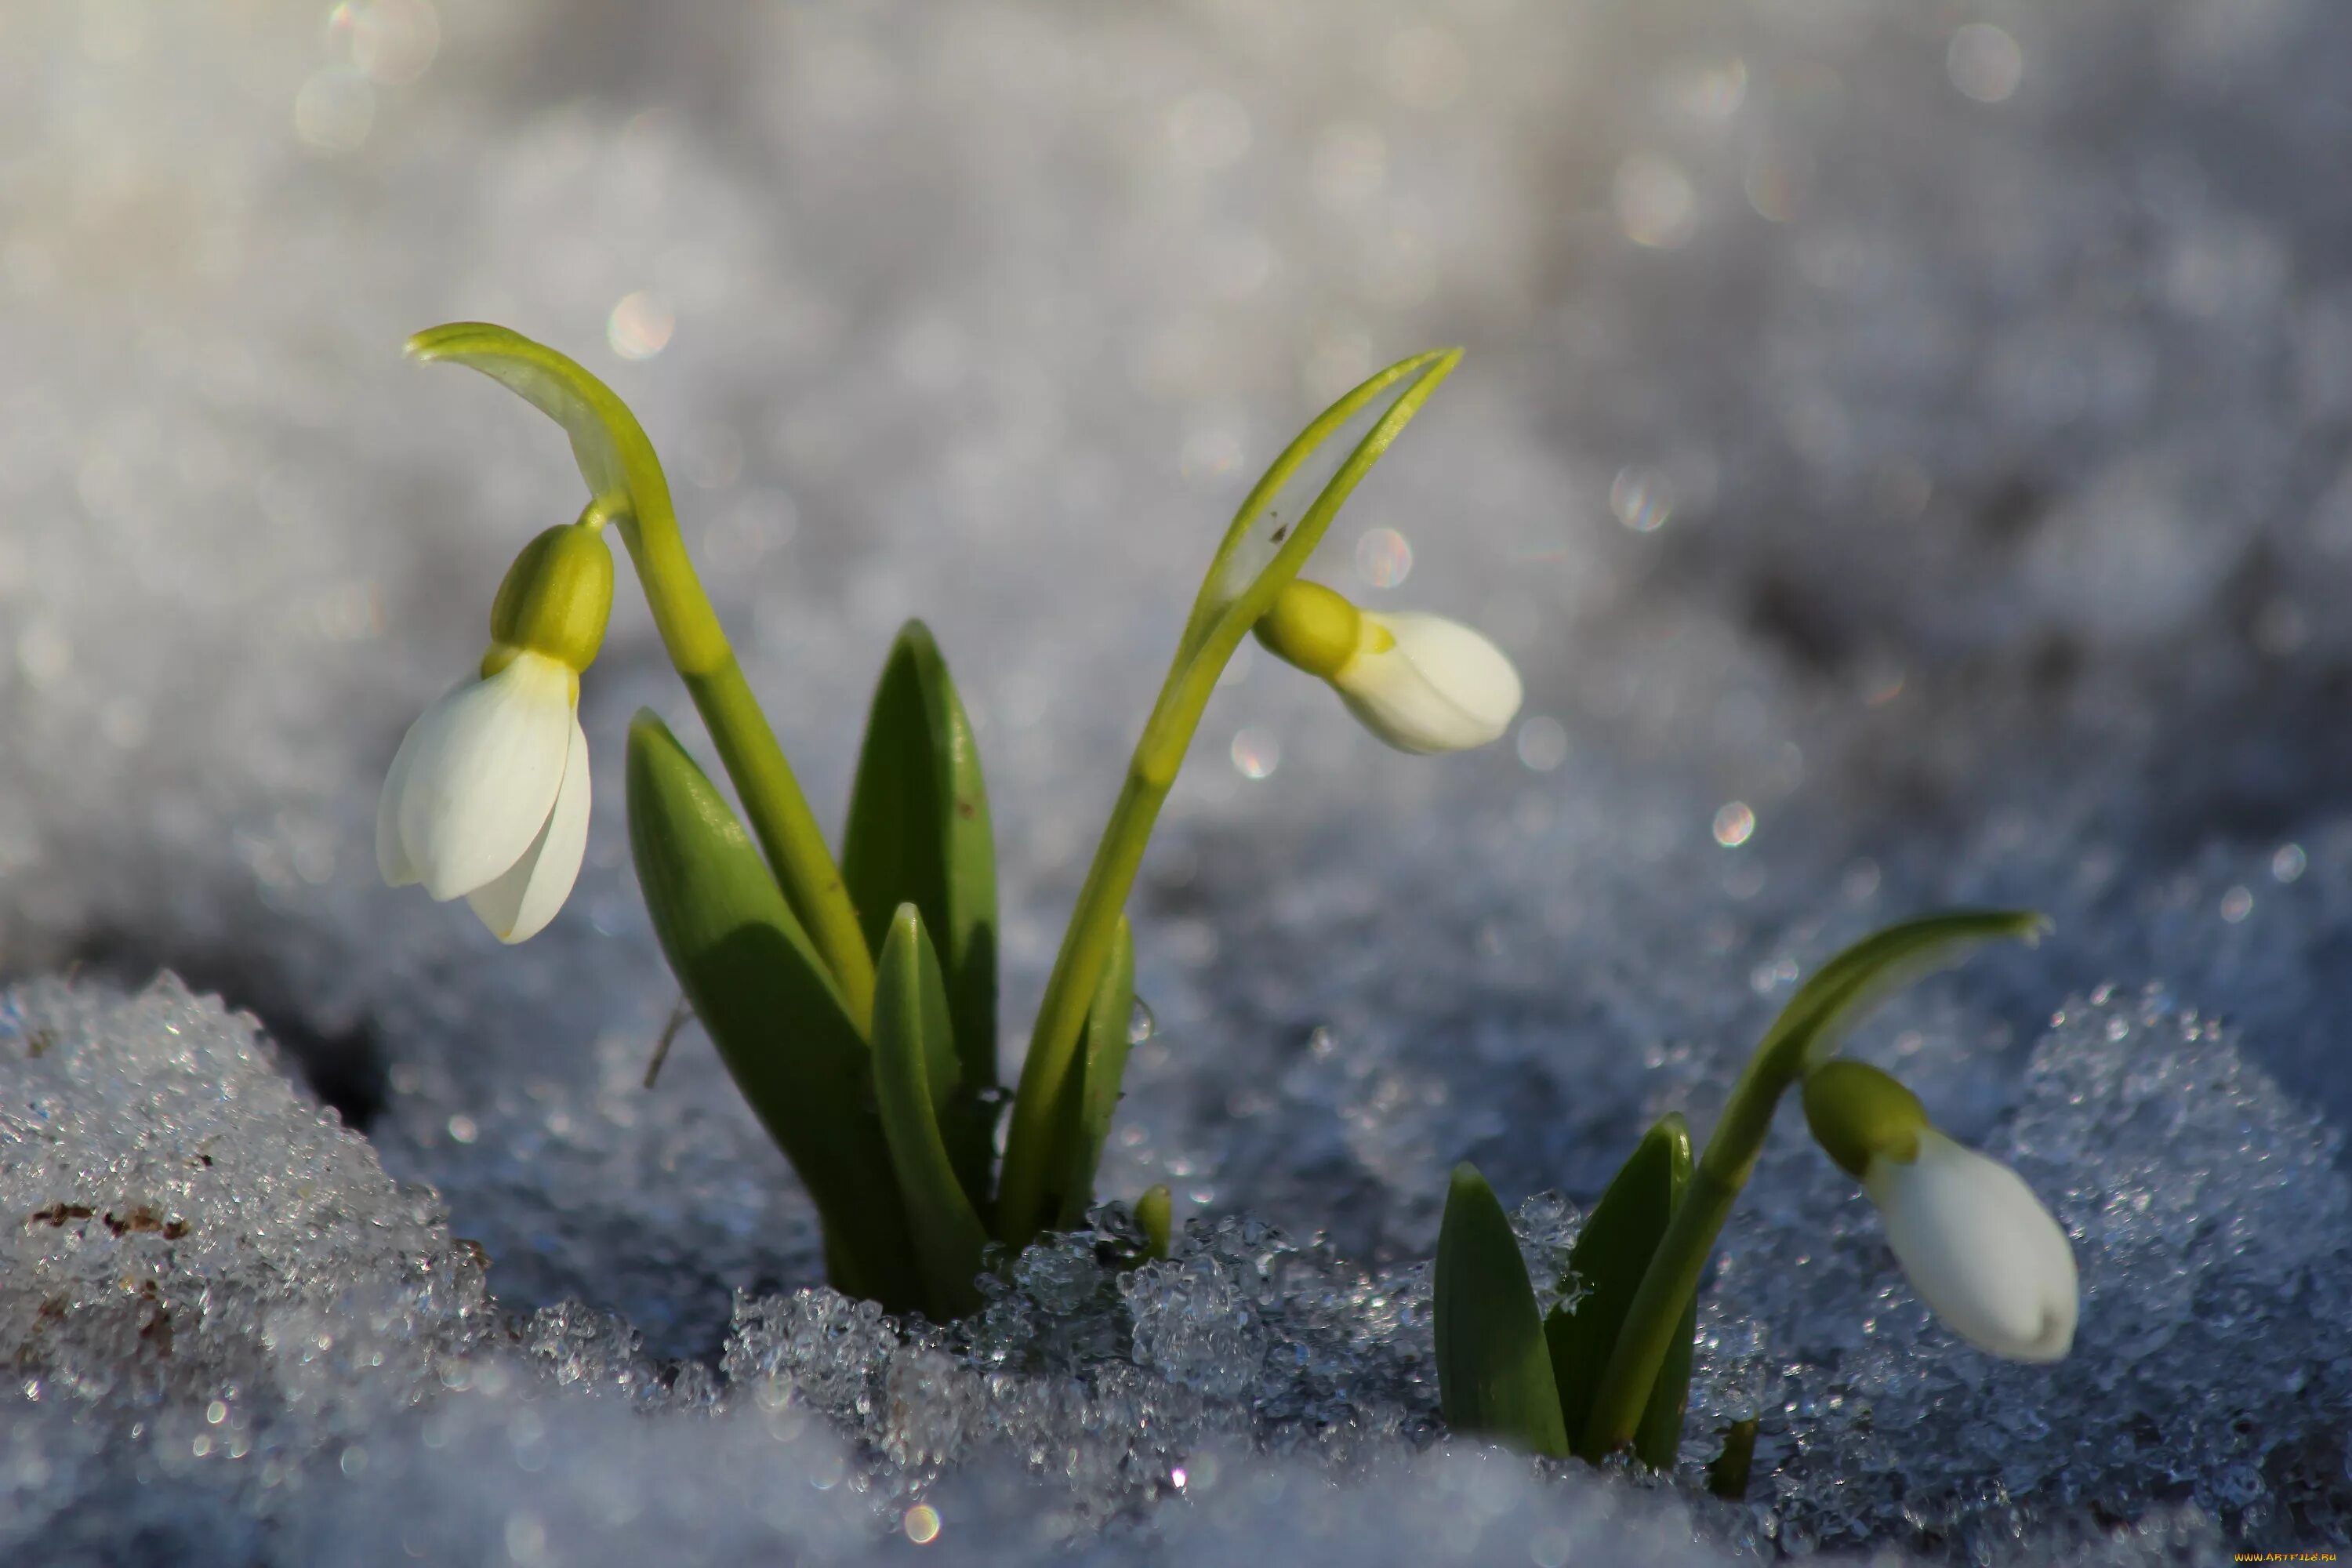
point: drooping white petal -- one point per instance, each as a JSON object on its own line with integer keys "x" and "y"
{"x": 517, "y": 906}
{"x": 1978, "y": 1246}
{"x": 1442, "y": 688}
{"x": 390, "y": 857}
{"x": 478, "y": 773}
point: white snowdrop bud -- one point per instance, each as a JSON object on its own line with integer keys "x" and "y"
{"x": 487, "y": 797}
{"x": 1420, "y": 682}
{"x": 1989, "y": 1261}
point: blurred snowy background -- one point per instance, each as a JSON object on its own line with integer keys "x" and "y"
{"x": 1903, "y": 443}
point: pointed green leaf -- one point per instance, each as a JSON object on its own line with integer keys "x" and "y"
{"x": 1611, "y": 1255}
{"x": 1095, "y": 1089}
{"x": 912, "y": 1048}
{"x": 1851, "y": 985}
{"x": 771, "y": 1008}
{"x": 919, "y": 834}
{"x": 1494, "y": 1373}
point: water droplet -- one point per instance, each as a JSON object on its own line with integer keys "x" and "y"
{"x": 1140, "y": 1023}
{"x": 1734, "y": 825}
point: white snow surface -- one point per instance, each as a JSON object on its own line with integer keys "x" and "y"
{"x": 1902, "y": 447}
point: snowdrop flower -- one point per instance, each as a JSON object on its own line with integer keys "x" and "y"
{"x": 1420, "y": 682}
{"x": 1975, "y": 1242}
{"x": 487, "y": 797}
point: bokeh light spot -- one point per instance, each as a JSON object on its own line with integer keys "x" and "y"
{"x": 1542, "y": 743}
{"x": 1383, "y": 558}
{"x": 388, "y": 41}
{"x": 1640, "y": 498}
{"x": 1655, "y": 204}
{"x": 1984, "y": 62}
{"x": 640, "y": 327}
{"x": 1256, "y": 752}
{"x": 334, "y": 110}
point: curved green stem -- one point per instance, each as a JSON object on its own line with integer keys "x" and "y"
{"x": 1824, "y": 1010}
{"x": 1220, "y": 617}
{"x": 1671, "y": 1278}
{"x": 625, "y": 479}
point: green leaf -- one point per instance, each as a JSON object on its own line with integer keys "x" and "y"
{"x": 1611, "y": 1255}
{"x": 913, "y": 1051}
{"x": 771, "y": 1008}
{"x": 1851, "y": 985}
{"x": 919, "y": 834}
{"x": 1494, "y": 1373}
{"x": 610, "y": 445}
{"x": 1094, "y": 1089}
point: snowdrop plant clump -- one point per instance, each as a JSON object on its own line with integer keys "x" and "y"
{"x": 1609, "y": 1369}
{"x": 852, "y": 1000}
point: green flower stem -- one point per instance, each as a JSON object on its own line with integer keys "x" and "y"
{"x": 1024, "y": 1205}
{"x": 779, "y": 812}
{"x": 786, "y": 829}
{"x": 625, "y": 479}
{"x": 1671, "y": 1278}
{"x": 1218, "y": 622}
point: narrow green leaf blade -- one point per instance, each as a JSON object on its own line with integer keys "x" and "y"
{"x": 1658, "y": 1440}
{"x": 1283, "y": 518}
{"x": 919, "y": 833}
{"x": 770, "y": 1006}
{"x": 912, "y": 1042}
{"x": 1102, "y": 1068}
{"x": 1611, "y": 1255}
{"x": 1851, "y": 985}
{"x": 1494, "y": 1373}
{"x": 610, "y": 445}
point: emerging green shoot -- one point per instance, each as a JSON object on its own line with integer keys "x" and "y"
{"x": 1493, "y": 1370}
{"x": 1726, "y": 1473}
